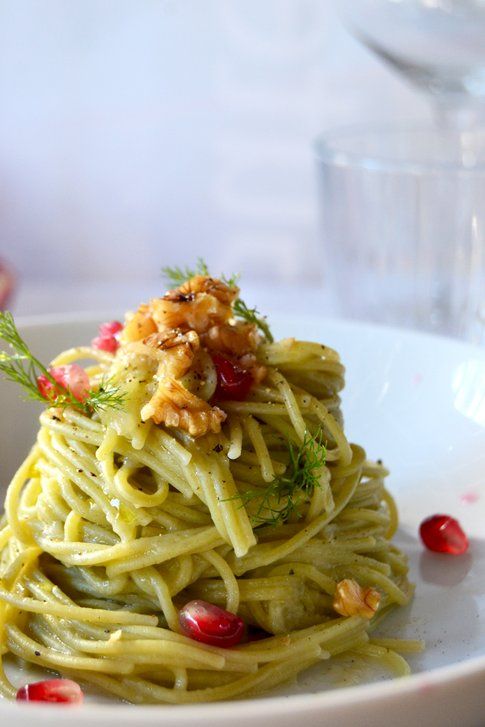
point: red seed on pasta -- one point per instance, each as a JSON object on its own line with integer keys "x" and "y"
{"x": 52, "y": 690}
{"x": 233, "y": 382}
{"x": 105, "y": 343}
{"x": 108, "y": 337}
{"x": 110, "y": 328}
{"x": 72, "y": 378}
{"x": 210, "y": 624}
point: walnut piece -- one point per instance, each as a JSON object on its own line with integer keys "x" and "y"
{"x": 171, "y": 331}
{"x": 352, "y": 599}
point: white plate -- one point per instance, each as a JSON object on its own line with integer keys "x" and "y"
{"x": 419, "y": 403}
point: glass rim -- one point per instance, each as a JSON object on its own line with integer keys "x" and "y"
{"x": 326, "y": 149}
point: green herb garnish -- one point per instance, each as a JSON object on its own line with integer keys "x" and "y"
{"x": 107, "y": 396}
{"x": 178, "y": 276}
{"x": 252, "y": 315}
{"x": 232, "y": 281}
{"x": 286, "y": 492}
{"x": 22, "y": 367}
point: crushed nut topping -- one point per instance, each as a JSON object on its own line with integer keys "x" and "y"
{"x": 235, "y": 339}
{"x": 197, "y": 305}
{"x": 173, "y": 331}
{"x": 352, "y": 599}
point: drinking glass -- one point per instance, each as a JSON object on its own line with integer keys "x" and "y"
{"x": 403, "y": 214}
{"x": 439, "y": 45}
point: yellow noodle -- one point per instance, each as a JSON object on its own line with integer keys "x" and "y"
{"x": 110, "y": 530}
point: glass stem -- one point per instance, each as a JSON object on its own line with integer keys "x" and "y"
{"x": 461, "y": 114}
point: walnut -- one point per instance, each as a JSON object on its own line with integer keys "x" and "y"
{"x": 351, "y": 599}
{"x": 198, "y": 304}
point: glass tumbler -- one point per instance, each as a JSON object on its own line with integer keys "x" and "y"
{"x": 403, "y": 214}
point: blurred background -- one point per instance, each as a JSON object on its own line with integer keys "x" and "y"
{"x": 142, "y": 133}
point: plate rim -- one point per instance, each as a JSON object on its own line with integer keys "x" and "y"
{"x": 443, "y": 677}
{"x": 451, "y": 674}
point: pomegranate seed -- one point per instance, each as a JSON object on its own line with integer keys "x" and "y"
{"x": 233, "y": 382}
{"x": 52, "y": 690}
{"x": 443, "y": 534}
{"x": 110, "y": 328}
{"x": 105, "y": 343}
{"x": 210, "y": 624}
{"x": 71, "y": 377}
{"x": 46, "y": 387}
{"x": 77, "y": 381}
{"x": 108, "y": 337}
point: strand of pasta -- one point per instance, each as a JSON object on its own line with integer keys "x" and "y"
{"x": 106, "y": 535}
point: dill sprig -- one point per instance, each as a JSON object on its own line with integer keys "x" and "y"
{"x": 252, "y": 315}
{"x": 232, "y": 281}
{"x": 279, "y": 500}
{"x": 23, "y": 368}
{"x": 107, "y": 396}
{"x": 177, "y": 276}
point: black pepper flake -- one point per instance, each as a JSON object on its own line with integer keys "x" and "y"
{"x": 379, "y": 461}
{"x": 37, "y": 653}
{"x": 218, "y": 448}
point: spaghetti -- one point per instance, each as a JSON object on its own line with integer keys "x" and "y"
{"x": 257, "y": 504}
